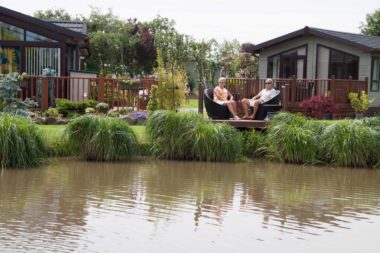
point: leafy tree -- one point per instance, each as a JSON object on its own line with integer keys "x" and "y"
{"x": 229, "y": 54}
{"x": 53, "y": 14}
{"x": 372, "y": 25}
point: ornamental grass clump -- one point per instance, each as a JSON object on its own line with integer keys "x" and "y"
{"x": 289, "y": 139}
{"x": 186, "y": 136}
{"x": 350, "y": 143}
{"x": 21, "y": 143}
{"x": 101, "y": 138}
{"x": 253, "y": 143}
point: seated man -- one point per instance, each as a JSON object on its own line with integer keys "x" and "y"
{"x": 265, "y": 95}
{"x": 221, "y": 95}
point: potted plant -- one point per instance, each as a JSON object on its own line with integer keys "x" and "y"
{"x": 360, "y": 103}
{"x": 321, "y": 107}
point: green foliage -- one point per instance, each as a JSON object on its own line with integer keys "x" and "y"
{"x": 90, "y": 110}
{"x": 102, "y": 107}
{"x": 292, "y": 142}
{"x": 52, "y": 112}
{"x": 153, "y": 99}
{"x": 350, "y": 143}
{"x": 170, "y": 78}
{"x": 101, "y": 138}
{"x": 187, "y": 136}
{"x": 253, "y": 143}
{"x": 359, "y": 104}
{"x": 372, "y": 25}
{"x": 10, "y": 87}
{"x": 53, "y": 14}
{"x": 21, "y": 143}
{"x": 66, "y": 106}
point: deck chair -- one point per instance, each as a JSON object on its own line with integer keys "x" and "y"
{"x": 214, "y": 110}
{"x": 272, "y": 105}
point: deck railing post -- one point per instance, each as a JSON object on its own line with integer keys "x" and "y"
{"x": 257, "y": 85}
{"x": 100, "y": 88}
{"x": 285, "y": 96}
{"x": 366, "y": 84}
{"x": 45, "y": 93}
{"x": 350, "y": 84}
{"x": 332, "y": 88}
{"x": 294, "y": 86}
{"x": 201, "y": 88}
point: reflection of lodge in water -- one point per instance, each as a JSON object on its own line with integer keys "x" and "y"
{"x": 288, "y": 197}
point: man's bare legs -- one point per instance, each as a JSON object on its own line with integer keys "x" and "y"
{"x": 245, "y": 103}
{"x": 256, "y": 104}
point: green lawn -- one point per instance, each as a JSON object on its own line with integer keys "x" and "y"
{"x": 54, "y": 132}
{"x": 191, "y": 103}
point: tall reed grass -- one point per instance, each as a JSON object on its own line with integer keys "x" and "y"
{"x": 21, "y": 143}
{"x": 290, "y": 140}
{"x": 101, "y": 138}
{"x": 350, "y": 143}
{"x": 187, "y": 136}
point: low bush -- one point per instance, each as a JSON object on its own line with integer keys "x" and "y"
{"x": 187, "y": 136}
{"x": 21, "y": 143}
{"x": 102, "y": 107}
{"x": 350, "y": 143}
{"x": 66, "y": 106}
{"x": 101, "y": 138}
{"x": 253, "y": 143}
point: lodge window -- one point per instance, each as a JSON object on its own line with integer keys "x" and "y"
{"x": 9, "y": 59}
{"x": 36, "y": 37}
{"x": 288, "y": 63}
{"x": 375, "y": 77}
{"x": 10, "y": 32}
{"x": 337, "y": 63}
{"x": 39, "y": 58}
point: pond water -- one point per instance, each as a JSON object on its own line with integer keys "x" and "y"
{"x": 164, "y": 206}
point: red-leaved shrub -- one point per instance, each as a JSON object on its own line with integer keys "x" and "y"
{"x": 318, "y": 106}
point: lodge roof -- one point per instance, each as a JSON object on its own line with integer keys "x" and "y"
{"x": 55, "y": 28}
{"x": 363, "y": 42}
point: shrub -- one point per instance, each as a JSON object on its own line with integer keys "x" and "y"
{"x": 253, "y": 143}
{"x": 284, "y": 118}
{"x": 21, "y": 143}
{"x": 359, "y": 104}
{"x": 66, "y": 106}
{"x": 102, "y": 107}
{"x": 52, "y": 112}
{"x": 318, "y": 106}
{"x": 350, "y": 143}
{"x": 292, "y": 143}
{"x": 90, "y": 110}
{"x": 101, "y": 138}
{"x": 187, "y": 136}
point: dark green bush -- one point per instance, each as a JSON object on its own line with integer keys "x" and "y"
{"x": 21, "y": 143}
{"x": 187, "y": 136}
{"x": 66, "y": 106}
{"x": 101, "y": 138}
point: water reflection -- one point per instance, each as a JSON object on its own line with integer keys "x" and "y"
{"x": 173, "y": 206}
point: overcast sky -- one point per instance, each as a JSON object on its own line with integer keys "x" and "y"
{"x": 247, "y": 21}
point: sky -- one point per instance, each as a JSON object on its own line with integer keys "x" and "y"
{"x": 246, "y": 21}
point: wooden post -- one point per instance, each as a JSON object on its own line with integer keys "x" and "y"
{"x": 100, "y": 88}
{"x": 332, "y": 88}
{"x": 366, "y": 84}
{"x": 350, "y": 85}
{"x": 285, "y": 96}
{"x": 45, "y": 93}
{"x": 257, "y": 85}
{"x": 200, "y": 97}
{"x": 294, "y": 87}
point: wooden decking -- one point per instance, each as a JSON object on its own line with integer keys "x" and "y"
{"x": 244, "y": 123}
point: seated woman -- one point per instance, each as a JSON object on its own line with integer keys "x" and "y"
{"x": 265, "y": 95}
{"x": 221, "y": 95}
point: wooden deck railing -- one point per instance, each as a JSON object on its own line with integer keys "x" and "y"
{"x": 45, "y": 90}
{"x": 294, "y": 90}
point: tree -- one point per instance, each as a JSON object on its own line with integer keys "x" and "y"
{"x": 372, "y": 25}
{"x": 53, "y": 14}
{"x": 229, "y": 54}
